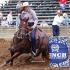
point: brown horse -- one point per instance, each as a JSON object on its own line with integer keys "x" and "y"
{"x": 21, "y": 43}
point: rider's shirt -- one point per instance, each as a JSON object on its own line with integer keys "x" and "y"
{"x": 31, "y": 16}
{"x": 24, "y": 15}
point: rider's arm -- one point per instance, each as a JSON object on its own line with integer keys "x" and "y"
{"x": 35, "y": 19}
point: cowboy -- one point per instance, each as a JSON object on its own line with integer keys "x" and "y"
{"x": 30, "y": 15}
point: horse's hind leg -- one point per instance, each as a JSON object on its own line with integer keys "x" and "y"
{"x": 44, "y": 53}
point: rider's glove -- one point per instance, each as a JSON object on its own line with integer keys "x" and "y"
{"x": 34, "y": 26}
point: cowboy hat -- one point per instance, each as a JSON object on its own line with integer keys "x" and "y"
{"x": 25, "y": 4}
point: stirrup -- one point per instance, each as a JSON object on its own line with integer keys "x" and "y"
{"x": 33, "y": 54}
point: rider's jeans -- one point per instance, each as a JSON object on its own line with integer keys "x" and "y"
{"x": 33, "y": 41}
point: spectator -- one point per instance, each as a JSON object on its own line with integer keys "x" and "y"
{"x": 4, "y": 22}
{"x": 1, "y": 17}
{"x": 66, "y": 23}
{"x": 10, "y": 18}
{"x": 17, "y": 21}
{"x": 69, "y": 6}
{"x": 18, "y": 9}
{"x": 62, "y": 4}
{"x": 56, "y": 23}
{"x": 65, "y": 19}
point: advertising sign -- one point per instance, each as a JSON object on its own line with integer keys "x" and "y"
{"x": 58, "y": 52}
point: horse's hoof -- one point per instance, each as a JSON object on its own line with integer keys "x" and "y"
{"x": 4, "y": 64}
{"x": 11, "y": 64}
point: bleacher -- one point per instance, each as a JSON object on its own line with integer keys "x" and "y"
{"x": 45, "y": 9}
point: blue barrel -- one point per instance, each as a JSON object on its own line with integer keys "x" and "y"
{"x": 58, "y": 49}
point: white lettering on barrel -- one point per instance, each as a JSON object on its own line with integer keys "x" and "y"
{"x": 57, "y": 55}
{"x": 63, "y": 56}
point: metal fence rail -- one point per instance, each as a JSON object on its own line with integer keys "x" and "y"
{"x": 64, "y": 31}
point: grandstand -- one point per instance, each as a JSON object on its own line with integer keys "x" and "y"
{"x": 45, "y": 9}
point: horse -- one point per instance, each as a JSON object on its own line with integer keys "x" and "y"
{"x": 21, "y": 43}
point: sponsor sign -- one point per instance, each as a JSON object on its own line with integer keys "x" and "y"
{"x": 58, "y": 52}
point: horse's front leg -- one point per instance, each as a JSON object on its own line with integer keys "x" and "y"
{"x": 12, "y": 53}
{"x": 12, "y": 58}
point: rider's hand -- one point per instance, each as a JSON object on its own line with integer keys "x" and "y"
{"x": 33, "y": 27}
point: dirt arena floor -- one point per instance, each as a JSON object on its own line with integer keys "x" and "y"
{"x": 19, "y": 63}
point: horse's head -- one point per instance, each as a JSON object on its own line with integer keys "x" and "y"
{"x": 23, "y": 26}
{"x": 24, "y": 16}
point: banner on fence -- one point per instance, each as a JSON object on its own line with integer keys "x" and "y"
{"x": 58, "y": 52}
